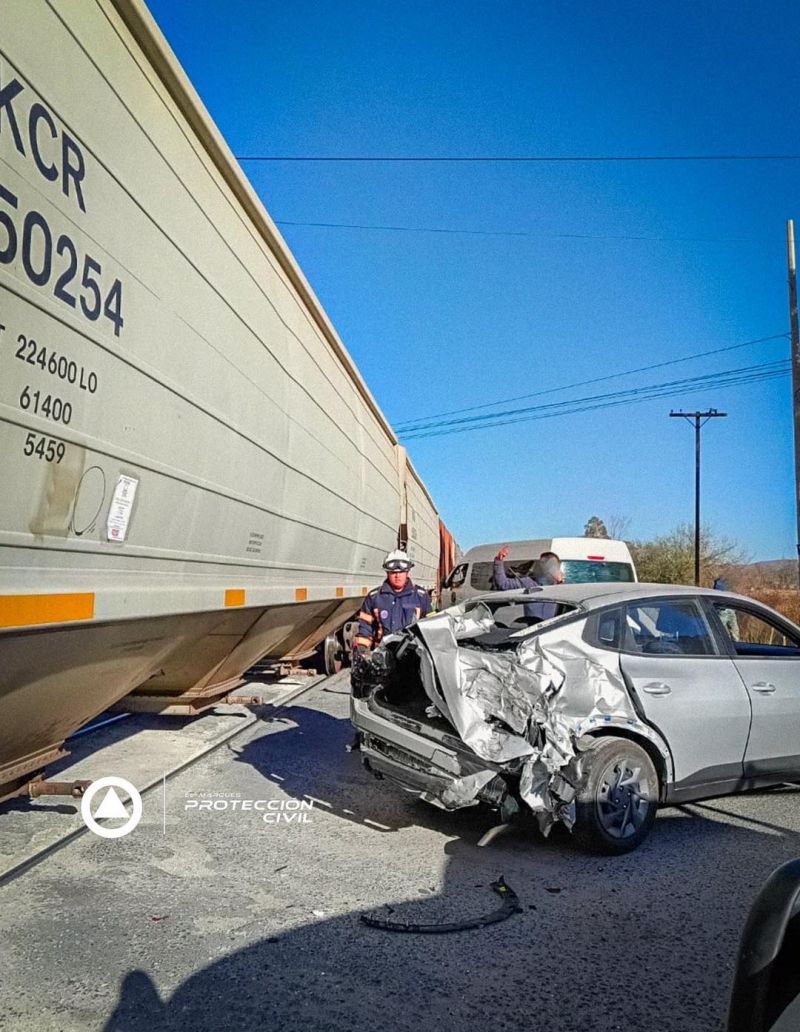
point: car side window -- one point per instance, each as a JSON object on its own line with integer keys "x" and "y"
{"x": 755, "y": 634}
{"x": 604, "y": 629}
{"x": 675, "y": 627}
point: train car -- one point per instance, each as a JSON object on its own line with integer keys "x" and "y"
{"x": 195, "y": 473}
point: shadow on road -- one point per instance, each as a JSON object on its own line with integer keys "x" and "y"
{"x": 336, "y": 780}
{"x": 643, "y": 941}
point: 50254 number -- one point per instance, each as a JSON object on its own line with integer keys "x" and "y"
{"x": 35, "y": 246}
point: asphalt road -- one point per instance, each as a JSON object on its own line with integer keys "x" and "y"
{"x": 216, "y": 919}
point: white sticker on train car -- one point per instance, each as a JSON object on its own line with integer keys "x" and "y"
{"x": 119, "y": 513}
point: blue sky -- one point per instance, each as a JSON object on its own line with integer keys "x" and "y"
{"x": 440, "y": 321}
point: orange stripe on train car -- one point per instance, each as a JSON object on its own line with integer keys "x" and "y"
{"x": 235, "y": 597}
{"x": 22, "y": 610}
{"x": 340, "y": 592}
{"x": 300, "y": 594}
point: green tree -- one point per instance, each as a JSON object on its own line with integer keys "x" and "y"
{"x": 669, "y": 559}
{"x": 595, "y": 528}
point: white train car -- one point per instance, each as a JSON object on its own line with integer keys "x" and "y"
{"x": 195, "y": 474}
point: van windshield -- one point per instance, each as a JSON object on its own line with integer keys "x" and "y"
{"x": 588, "y": 571}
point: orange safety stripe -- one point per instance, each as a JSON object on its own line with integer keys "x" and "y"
{"x": 368, "y": 617}
{"x": 363, "y": 641}
{"x": 21, "y": 610}
{"x": 234, "y": 597}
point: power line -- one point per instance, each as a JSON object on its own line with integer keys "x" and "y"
{"x": 423, "y": 421}
{"x": 610, "y": 404}
{"x": 521, "y": 233}
{"x": 704, "y": 378}
{"x": 726, "y": 378}
{"x": 521, "y": 158}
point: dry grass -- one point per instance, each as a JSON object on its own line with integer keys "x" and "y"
{"x": 785, "y": 600}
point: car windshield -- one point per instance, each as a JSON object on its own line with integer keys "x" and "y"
{"x": 589, "y": 571}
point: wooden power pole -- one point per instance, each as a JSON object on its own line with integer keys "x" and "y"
{"x": 696, "y": 417}
{"x": 795, "y": 376}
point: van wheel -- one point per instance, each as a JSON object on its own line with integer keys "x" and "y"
{"x": 617, "y": 797}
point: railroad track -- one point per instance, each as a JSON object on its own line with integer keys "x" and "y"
{"x": 24, "y": 865}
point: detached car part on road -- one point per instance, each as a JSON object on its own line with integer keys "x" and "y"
{"x": 631, "y": 696}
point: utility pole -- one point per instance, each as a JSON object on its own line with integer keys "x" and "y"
{"x": 695, "y": 418}
{"x": 795, "y": 375}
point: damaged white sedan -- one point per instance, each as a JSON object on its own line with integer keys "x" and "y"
{"x": 589, "y": 704}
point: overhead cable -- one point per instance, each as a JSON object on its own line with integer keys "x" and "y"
{"x": 423, "y": 421}
{"x": 449, "y": 231}
{"x": 726, "y": 378}
{"x": 510, "y": 158}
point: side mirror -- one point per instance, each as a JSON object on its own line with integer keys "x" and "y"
{"x": 766, "y": 986}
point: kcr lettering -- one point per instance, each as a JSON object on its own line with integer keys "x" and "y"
{"x": 54, "y": 152}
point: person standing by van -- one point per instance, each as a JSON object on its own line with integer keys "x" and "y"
{"x": 550, "y": 572}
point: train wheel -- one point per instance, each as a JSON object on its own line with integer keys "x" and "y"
{"x": 332, "y": 655}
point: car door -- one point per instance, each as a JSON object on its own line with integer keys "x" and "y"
{"x": 767, "y": 657}
{"x": 687, "y": 688}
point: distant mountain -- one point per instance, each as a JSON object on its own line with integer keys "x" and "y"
{"x": 774, "y": 573}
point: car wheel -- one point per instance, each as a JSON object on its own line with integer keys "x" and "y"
{"x": 617, "y": 796}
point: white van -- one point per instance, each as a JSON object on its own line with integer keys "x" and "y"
{"x": 583, "y": 560}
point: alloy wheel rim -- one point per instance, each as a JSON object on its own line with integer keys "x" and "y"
{"x": 623, "y": 798}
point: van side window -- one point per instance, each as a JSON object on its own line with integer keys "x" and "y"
{"x": 481, "y": 576}
{"x": 457, "y": 577}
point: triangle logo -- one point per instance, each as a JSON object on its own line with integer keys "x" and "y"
{"x": 111, "y": 807}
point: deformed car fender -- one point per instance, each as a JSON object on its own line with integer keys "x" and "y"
{"x": 637, "y": 731}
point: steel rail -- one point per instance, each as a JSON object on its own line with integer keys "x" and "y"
{"x": 23, "y": 866}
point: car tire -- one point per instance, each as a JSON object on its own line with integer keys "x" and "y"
{"x": 617, "y": 797}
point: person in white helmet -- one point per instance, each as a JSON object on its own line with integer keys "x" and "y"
{"x": 397, "y": 603}
{"x": 394, "y": 605}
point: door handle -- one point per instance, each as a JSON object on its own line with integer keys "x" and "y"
{"x": 764, "y": 687}
{"x": 657, "y": 688}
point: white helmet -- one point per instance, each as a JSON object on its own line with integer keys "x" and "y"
{"x": 397, "y": 560}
